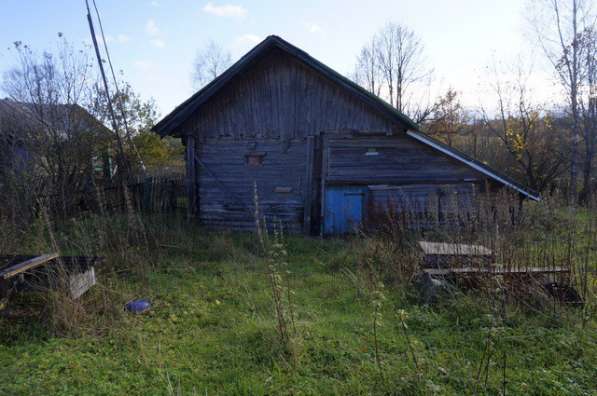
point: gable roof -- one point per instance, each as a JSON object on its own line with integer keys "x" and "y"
{"x": 180, "y": 114}
{"x": 170, "y": 123}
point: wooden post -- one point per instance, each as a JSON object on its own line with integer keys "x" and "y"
{"x": 308, "y": 193}
{"x": 191, "y": 176}
{"x": 147, "y": 191}
{"x": 196, "y": 178}
{"x": 324, "y": 170}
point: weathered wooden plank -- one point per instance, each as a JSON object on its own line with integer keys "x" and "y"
{"x": 324, "y": 174}
{"x": 308, "y": 193}
{"x": 26, "y": 265}
{"x": 191, "y": 175}
{"x": 452, "y": 249}
{"x": 496, "y": 270}
{"x": 80, "y": 282}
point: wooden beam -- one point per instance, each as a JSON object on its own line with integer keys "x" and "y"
{"x": 191, "y": 176}
{"x": 27, "y": 265}
{"x": 308, "y": 193}
{"x": 325, "y": 152}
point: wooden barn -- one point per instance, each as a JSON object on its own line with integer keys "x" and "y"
{"x": 319, "y": 149}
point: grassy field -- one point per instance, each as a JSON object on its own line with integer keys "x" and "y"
{"x": 212, "y": 330}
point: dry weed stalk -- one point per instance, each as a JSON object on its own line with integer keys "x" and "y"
{"x": 485, "y": 362}
{"x": 377, "y": 299}
{"x": 403, "y": 316}
{"x": 279, "y": 279}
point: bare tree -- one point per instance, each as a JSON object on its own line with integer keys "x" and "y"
{"x": 588, "y": 107}
{"x": 48, "y": 94}
{"x": 367, "y": 70}
{"x": 559, "y": 26}
{"x": 526, "y": 131}
{"x": 392, "y": 66}
{"x": 210, "y": 62}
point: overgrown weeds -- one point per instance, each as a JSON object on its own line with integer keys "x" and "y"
{"x": 279, "y": 273}
{"x": 289, "y": 314}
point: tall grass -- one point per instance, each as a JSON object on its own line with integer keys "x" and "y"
{"x": 379, "y": 267}
{"x": 279, "y": 273}
{"x": 546, "y": 235}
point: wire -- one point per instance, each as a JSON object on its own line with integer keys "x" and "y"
{"x": 118, "y": 93}
{"x": 105, "y": 81}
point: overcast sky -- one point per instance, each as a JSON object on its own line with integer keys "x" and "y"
{"x": 155, "y": 41}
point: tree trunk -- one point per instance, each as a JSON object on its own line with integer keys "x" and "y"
{"x": 590, "y": 120}
{"x": 572, "y": 192}
{"x": 587, "y": 191}
{"x": 590, "y": 134}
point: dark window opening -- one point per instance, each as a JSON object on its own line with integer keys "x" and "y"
{"x": 283, "y": 190}
{"x": 255, "y": 159}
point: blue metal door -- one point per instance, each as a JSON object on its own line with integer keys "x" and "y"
{"x": 343, "y": 209}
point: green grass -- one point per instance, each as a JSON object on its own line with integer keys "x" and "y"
{"x": 212, "y": 331}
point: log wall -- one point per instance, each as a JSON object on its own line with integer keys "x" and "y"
{"x": 227, "y": 180}
{"x": 391, "y": 160}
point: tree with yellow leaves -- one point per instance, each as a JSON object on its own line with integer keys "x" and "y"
{"x": 526, "y": 129}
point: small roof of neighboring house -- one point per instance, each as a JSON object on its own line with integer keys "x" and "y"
{"x": 17, "y": 117}
{"x": 170, "y": 123}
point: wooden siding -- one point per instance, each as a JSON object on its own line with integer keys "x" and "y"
{"x": 398, "y": 160}
{"x": 408, "y": 176}
{"x": 420, "y": 206}
{"x": 191, "y": 176}
{"x": 279, "y": 97}
{"x": 226, "y": 183}
{"x": 422, "y": 198}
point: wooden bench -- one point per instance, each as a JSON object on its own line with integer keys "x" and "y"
{"x": 19, "y": 272}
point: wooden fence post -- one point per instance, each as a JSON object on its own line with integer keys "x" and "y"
{"x": 191, "y": 176}
{"x": 147, "y": 193}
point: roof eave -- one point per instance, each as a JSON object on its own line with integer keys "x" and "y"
{"x": 421, "y": 137}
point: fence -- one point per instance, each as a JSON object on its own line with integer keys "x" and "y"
{"x": 149, "y": 194}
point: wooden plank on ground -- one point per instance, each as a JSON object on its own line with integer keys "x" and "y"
{"x": 496, "y": 270}
{"x": 26, "y": 265}
{"x": 453, "y": 249}
{"x": 80, "y": 282}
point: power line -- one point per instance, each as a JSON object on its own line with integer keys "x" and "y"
{"x": 105, "y": 81}
{"x": 118, "y": 93}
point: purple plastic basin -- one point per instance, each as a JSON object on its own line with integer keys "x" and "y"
{"x": 138, "y": 306}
